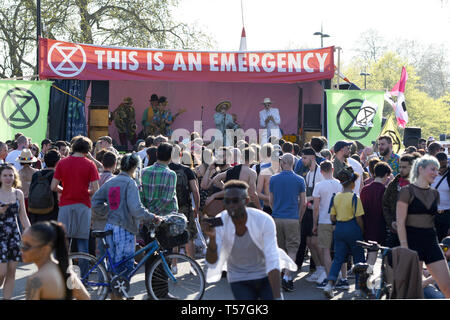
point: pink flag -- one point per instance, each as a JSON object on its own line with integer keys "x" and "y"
{"x": 400, "y": 105}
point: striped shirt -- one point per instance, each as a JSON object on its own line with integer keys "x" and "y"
{"x": 158, "y": 192}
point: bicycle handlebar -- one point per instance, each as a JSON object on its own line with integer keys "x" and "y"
{"x": 371, "y": 245}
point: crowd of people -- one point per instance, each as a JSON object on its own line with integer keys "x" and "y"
{"x": 279, "y": 203}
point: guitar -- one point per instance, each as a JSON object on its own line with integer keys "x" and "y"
{"x": 163, "y": 125}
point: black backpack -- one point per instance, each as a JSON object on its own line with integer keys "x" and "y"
{"x": 183, "y": 191}
{"x": 40, "y": 197}
{"x": 446, "y": 175}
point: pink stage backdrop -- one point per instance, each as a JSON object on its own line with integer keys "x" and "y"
{"x": 245, "y": 100}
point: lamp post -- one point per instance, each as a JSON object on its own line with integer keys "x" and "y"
{"x": 322, "y": 35}
{"x": 365, "y": 74}
{"x": 38, "y": 32}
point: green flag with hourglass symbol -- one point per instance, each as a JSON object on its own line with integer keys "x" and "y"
{"x": 24, "y": 108}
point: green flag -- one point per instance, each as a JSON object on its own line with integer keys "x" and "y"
{"x": 24, "y": 108}
{"x": 354, "y": 115}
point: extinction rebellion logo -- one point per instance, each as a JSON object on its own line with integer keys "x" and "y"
{"x": 350, "y": 113}
{"x": 66, "y": 60}
{"x": 20, "y": 108}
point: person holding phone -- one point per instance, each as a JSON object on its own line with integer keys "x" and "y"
{"x": 244, "y": 243}
{"x": 12, "y": 208}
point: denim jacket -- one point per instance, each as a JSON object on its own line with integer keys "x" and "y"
{"x": 119, "y": 200}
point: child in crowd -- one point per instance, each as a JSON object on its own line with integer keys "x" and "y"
{"x": 346, "y": 212}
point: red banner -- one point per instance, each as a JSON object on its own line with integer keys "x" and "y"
{"x": 65, "y": 60}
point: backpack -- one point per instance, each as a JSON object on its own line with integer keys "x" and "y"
{"x": 446, "y": 174}
{"x": 182, "y": 188}
{"x": 40, "y": 197}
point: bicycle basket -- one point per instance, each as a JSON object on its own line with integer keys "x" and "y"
{"x": 172, "y": 231}
{"x": 168, "y": 242}
{"x": 176, "y": 223}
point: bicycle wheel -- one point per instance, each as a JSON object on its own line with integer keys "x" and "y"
{"x": 189, "y": 283}
{"x": 93, "y": 276}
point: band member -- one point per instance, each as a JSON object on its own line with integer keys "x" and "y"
{"x": 147, "y": 118}
{"x": 125, "y": 121}
{"x": 163, "y": 118}
{"x": 224, "y": 120}
{"x": 269, "y": 119}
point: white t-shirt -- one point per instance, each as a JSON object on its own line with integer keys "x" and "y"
{"x": 357, "y": 167}
{"x": 11, "y": 158}
{"x": 143, "y": 155}
{"x": 325, "y": 190}
{"x": 309, "y": 179}
{"x": 444, "y": 193}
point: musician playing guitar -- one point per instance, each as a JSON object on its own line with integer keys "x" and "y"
{"x": 164, "y": 118}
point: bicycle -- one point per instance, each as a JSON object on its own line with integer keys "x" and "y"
{"x": 377, "y": 288}
{"x": 100, "y": 276}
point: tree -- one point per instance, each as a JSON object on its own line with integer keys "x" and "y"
{"x": 370, "y": 46}
{"x": 424, "y": 111}
{"x": 133, "y": 23}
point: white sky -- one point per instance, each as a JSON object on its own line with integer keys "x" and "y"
{"x": 289, "y": 24}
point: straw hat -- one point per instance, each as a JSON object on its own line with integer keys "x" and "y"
{"x": 26, "y": 157}
{"x": 226, "y": 104}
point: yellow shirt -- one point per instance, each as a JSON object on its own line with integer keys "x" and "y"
{"x": 342, "y": 207}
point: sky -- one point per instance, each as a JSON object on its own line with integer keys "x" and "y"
{"x": 290, "y": 24}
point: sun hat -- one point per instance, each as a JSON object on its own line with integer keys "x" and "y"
{"x": 225, "y": 103}
{"x": 26, "y": 157}
{"x": 267, "y": 100}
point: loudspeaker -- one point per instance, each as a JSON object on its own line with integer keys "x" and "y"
{"x": 100, "y": 93}
{"x": 411, "y": 136}
{"x": 311, "y": 116}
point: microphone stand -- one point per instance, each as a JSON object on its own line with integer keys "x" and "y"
{"x": 201, "y": 115}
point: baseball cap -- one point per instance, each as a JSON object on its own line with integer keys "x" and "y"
{"x": 341, "y": 144}
{"x": 308, "y": 152}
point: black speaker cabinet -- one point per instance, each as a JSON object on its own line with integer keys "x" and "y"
{"x": 100, "y": 93}
{"x": 411, "y": 136}
{"x": 311, "y": 116}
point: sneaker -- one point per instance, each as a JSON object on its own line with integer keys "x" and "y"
{"x": 287, "y": 286}
{"x": 342, "y": 284}
{"x": 290, "y": 285}
{"x": 322, "y": 277}
{"x": 313, "y": 277}
{"x": 328, "y": 291}
{"x": 323, "y": 284}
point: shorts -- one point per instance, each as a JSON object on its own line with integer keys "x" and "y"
{"x": 425, "y": 243}
{"x": 191, "y": 227}
{"x": 325, "y": 235}
{"x": 288, "y": 237}
{"x": 122, "y": 244}
{"x": 76, "y": 218}
{"x": 307, "y": 223}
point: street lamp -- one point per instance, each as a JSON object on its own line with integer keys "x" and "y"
{"x": 322, "y": 35}
{"x": 365, "y": 74}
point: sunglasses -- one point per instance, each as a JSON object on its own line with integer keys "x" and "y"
{"x": 232, "y": 200}
{"x": 26, "y": 247}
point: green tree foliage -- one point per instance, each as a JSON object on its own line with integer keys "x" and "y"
{"x": 432, "y": 115}
{"x": 133, "y": 23}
